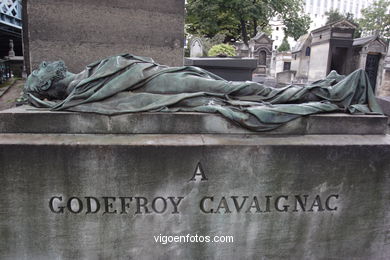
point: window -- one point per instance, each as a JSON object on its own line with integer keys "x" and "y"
{"x": 276, "y": 46}
{"x": 307, "y": 51}
{"x": 286, "y": 66}
{"x": 263, "y": 58}
{"x": 276, "y": 37}
{"x": 277, "y": 28}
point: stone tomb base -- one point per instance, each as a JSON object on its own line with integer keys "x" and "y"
{"x": 112, "y": 196}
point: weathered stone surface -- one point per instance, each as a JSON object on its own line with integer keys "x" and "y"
{"x": 37, "y": 167}
{"x": 81, "y": 32}
{"x": 346, "y": 124}
{"x": 384, "y": 102}
{"x": 384, "y": 89}
{"x": 285, "y": 77}
{"x": 32, "y": 120}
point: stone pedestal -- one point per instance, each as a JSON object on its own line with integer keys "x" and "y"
{"x": 119, "y": 191}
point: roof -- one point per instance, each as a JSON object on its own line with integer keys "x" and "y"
{"x": 260, "y": 35}
{"x": 365, "y": 40}
{"x": 300, "y": 42}
{"x": 344, "y": 22}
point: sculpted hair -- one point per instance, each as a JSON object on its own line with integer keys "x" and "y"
{"x": 41, "y": 82}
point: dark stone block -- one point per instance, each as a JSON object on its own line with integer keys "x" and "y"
{"x": 233, "y": 69}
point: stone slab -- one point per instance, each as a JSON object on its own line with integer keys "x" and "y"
{"x": 234, "y": 69}
{"x": 384, "y": 102}
{"x": 82, "y": 32}
{"x": 344, "y": 180}
{"x": 32, "y": 120}
{"x": 222, "y": 62}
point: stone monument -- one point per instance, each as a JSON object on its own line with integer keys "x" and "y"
{"x": 370, "y": 53}
{"x": 189, "y": 185}
{"x": 127, "y": 84}
{"x": 196, "y": 47}
{"x": 261, "y": 49}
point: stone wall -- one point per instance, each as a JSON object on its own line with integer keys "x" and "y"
{"x": 80, "y": 32}
{"x": 47, "y": 179}
{"x": 319, "y": 61}
{"x": 99, "y": 187}
{"x": 384, "y": 90}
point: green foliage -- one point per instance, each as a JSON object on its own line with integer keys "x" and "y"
{"x": 334, "y": 16}
{"x": 210, "y": 42}
{"x": 285, "y": 46}
{"x": 296, "y": 25}
{"x": 266, "y": 29}
{"x": 376, "y": 19}
{"x": 222, "y": 50}
{"x": 207, "y": 43}
{"x": 239, "y": 19}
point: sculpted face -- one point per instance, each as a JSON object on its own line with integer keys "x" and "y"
{"x": 41, "y": 82}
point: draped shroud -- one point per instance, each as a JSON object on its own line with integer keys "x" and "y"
{"x": 127, "y": 84}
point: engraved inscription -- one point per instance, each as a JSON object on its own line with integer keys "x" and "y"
{"x": 255, "y": 204}
{"x": 139, "y": 205}
{"x": 115, "y": 205}
{"x": 199, "y": 173}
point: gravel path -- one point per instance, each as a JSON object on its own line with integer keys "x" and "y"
{"x": 8, "y": 99}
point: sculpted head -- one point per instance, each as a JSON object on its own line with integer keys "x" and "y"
{"x": 41, "y": 82}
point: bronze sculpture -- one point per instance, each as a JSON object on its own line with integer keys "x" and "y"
{"x": 127, "y": 83}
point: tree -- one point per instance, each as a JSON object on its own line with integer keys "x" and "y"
{"x": 239, "y": 19}
{"x": 285, "y": 46}
{"x": 210, "y": 42}
{"x": 334, "y": 16}
{"x": 376, "y": 19}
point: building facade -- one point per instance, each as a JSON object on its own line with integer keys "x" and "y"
{"x": 332, "y": 47}
{"x": 317, "y": 9}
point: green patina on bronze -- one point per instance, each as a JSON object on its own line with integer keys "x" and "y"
{"x": 128, "y": 84}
